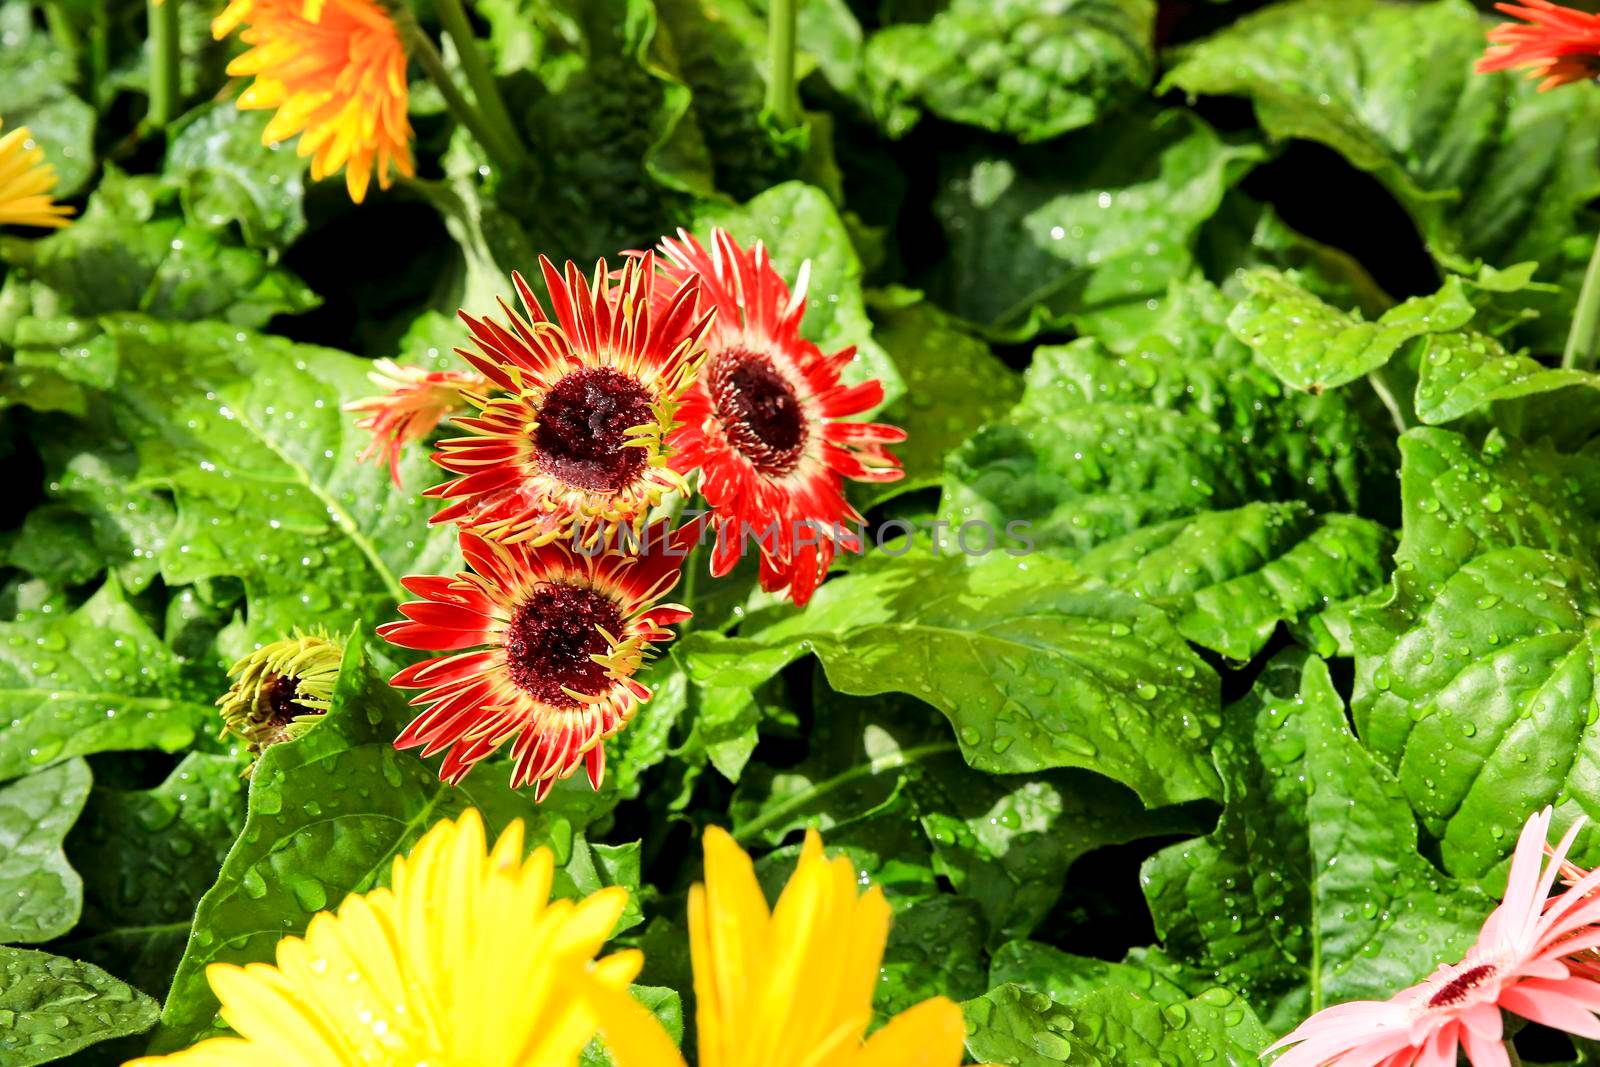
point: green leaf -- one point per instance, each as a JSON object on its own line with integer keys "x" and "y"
{"x": 53, "y": 1007}
{"x": 36, "y": 84}
{"x": 328, "y": 813}
{"x": 1034, "y": 666}
{"x": 226, "y": 175}
{"x": 1144, "y": 467}
{"x": 94, "y": 476}
{"x": 40, "y": 893}
{"x": 1313, "y": 347}
{"x": 1460, "y": 367}
{"x": 1229, "y": 577}
{"x": 1085, "y": 232}
{"x": 1066, "y": 978}
{"x": 797, "y": 222}
{"x": 617, "y": 152}
{"x": 1112, "y": 1027}
{"x": 247, "y": 433}
{"x": 1030, "y": 68}
{"x": 147, "y": 856}
{"x": 94, "y": 680}
{"x": 1464, "y": 372}
{"x": 953, "y": 385}
{"x": 1005, "y": 842}
{"x": 1476, "y": 681}
{"x": 124, "y": 256}
{"x": 1487, "y": 166}
{"x": 1246, "y": 234}
{"x": 1311, "y": 891}
{"x": 935, "y": 949}
{"x": 718, "y": 50}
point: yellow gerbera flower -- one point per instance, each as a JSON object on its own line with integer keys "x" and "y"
{"x": 790, "y": 987}
{"x": 463, "y": 960}
{"x": 335, "y": 71}
{"x": 25, "y": 183}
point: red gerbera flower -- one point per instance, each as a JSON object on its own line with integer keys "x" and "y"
{"x": 417, "y": 400}
{"x": 580, "y": 434}
{"x": 1559, "y": 44}
{"x": 544, "y": 643}
{"x": 763, "y": 423}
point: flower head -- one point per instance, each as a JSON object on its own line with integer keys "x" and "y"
{"x": 335, "y": 72}
{"x": 1558, "y": 44}
{"x": 26, "y": 181}
{"x": 579, "y": 436}
{"x": 764, "y": 424}
{"x": 464, "y": 959}
{"x": 555, "y": 638}
{"x": 416, "y": 401}
{"x": 787, "y": 987}
{"x": 283, "y": 689}
{"x": 1518, "y": 964}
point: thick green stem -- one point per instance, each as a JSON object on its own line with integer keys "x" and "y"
{"x": 783, "y": 97}
{"x": 165, "y": 55}
{"x": 508, "y": 155}
{"x": 454, "y": 19}
{"x": 1511, "y": 1054}
{"x": 1585, "y": 330}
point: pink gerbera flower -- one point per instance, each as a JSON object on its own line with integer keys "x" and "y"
{"x": 1518, "y": 964}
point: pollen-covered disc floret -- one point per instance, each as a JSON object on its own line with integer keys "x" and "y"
{"x": 335, "y": 73}
{"x": 765, "y": 422}
{"x": 26, "y": 182}
{"x": 1522, "y": 963}
{"x": 574, "y": 434}
{"x": 1555, "y": 43}
{"x": 416, "y": 400}
{"x": 282, "y": 689}
{"x": 545, "y": 643}
{"x": 463, "y": 959}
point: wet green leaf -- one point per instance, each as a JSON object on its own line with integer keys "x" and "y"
{"x": 94, "y": 680}
{"x": 1034, "y": 69}
{"x": 53, "y": 1007}
{"x": 40, "y": 893}
{"x": 1345, "y": 908}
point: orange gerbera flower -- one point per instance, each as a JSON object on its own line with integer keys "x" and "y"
{"x": 335, "y": 70}
{"x": 1558, "y": 44}
{"x": 417, "y": 401}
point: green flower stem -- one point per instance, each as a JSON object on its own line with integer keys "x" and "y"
{"x": 493, "y": 106}
{"x": 783, "y": 97}
{"x": 1585, "y": 330}
{"x": 65, "y": 33}
{"x": 1511, "y": 1049}
{"x": 1391, "y": 397}
{"x": 508, "y": 156}
{"x": 165, "y": 53}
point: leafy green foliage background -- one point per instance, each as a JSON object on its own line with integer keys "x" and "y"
{"x": 1245, "y": 315}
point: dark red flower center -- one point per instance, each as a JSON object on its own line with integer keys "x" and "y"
{"x": 581, "y": 436}
{"x": 759, "y": 410}
{"x": 1456, "y": 990}
{"x": 551, "y": 638}
{"x": 278, "y": 695}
